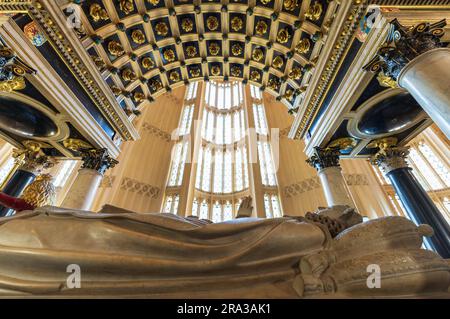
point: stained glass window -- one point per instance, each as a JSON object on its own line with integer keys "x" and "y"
{"x": 171, "y": 204}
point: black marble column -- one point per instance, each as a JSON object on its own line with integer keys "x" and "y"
{"x": 419, "y": 206}
{"x": 15, "y": 186}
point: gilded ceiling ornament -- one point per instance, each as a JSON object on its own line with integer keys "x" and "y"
{"x": 174, "y": 76}
{"x": 261, "y": 27}
{"x": 386, "y": 81}
{"x": 236, "y": 49}
{"x": 115, "y": 48}
{"x": 257, "y": 55}
{"x": 155, "y": 85}
{"x": 215, "y": 70}
{"x": 290, "y": 5}
{"x": 75, "y": 144}
{"x": 126, "y": 6}
{"x": 187, "y": 25}
{"x": 116, "y": 90}
{"x": 303, "y": 46}
{"x": 212, "y": 23}
{"x": 314, "y": 12}
{"x": 148, "y": 63}
{"x": 98, "y": 61}
{"x": 191, "y": 51}
{"x": 265, "y": 1}
{"x": 295, "y": 73}
{"x": 235, "y": 71}
{"x": 41, "y": 192}
{"x": 283, "y": 35}
{"x": 237, "y": 24}
{"x": 138, "y": 36}
{"x": 169, "y": 55}
{"x": 288, "y": 94}
{"x": 278, "y": 62}
{"x": 214, "y": 48}
{"x": 195, "y": 72}
{"x": 344, "y": 143}
{"x": 162, "y": 28}
{"x": 138, "y": 97}
{"x": 98, "y": 13}
{"x": 129, "y": 75}
{"x": 34, "y": 34}
{"x": 12, "y": 71}
{"x": 274, "y": 84}
{"x": 255, "y": 76}
{"x": 33, "y": 159}
{"x": 153, "y": 2}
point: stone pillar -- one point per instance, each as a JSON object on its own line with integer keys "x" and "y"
{"x": 83, "y": 190}
{"x": 30, "y": 163}
{"x": 417, "y": 60}
{"x": 326, "y": 162}
{"x": 419, "y": 206}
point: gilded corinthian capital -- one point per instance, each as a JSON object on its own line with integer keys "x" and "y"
{"x": 32, "y": 159}
{"x": 391, "y": 158}
{"x": 403, "y": 45}
{"x": 98, "y": 159}
{"x": 324, "y": 157}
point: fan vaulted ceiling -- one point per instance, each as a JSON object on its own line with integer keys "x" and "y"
{"x": 147, "y": 47}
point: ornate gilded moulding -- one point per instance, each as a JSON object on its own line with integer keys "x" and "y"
{"x": 45, "y": 21}
{"x": 169, "y": 46}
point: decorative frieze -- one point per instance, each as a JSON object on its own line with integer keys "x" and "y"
{"x": 302, "y": 187}
{"x": 134, "y": 186}
{"x": 153, "y": 130}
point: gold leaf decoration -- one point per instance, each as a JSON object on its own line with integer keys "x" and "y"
{"x": 235, "y": 71}
{"x": 191, "y": 51}
{"x": 212, "y": 23}
{"x": 314, "y": 12}
{"x": 138, "y": 36}
{"x": 155, "y": 85}
{"x": 303, "y": 46}
{"x": 288, "y": 94}
{"x": 129, "y": 75}
{"x": 278, "y": 62}
{"x": 126, "y": 6}
{"x": 283, "y": 35}
{"x": 169, "y": 55}
{"x": 237, "y": 24}
{"x": 187, "y": 25}
{"x": 148, "y": 63}
{"x": 162, "y": 29}
{"x": 195, "y": 72}
{"x": 138, "y": 97}
{"x": 174, "y": 76}
{"x": 115, "y": 48}
{"x": 257, "y": 54}
{"x": 154, "y": 2}
{"x": 98, "y": 13}
{"x": 255, "y": 76}
{"x": 215, "y": 70}
{"x": 236, "y": 49}
{"x": 214, "y": 48}
{"x": 290, "y": 5}
{"x": 261, "y": 27}
{"x": 295, "y": 73}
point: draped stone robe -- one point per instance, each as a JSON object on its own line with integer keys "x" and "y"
{"x": 152, "y": 254}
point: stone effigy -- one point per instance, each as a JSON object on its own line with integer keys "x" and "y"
{"x": 326, "y": 254}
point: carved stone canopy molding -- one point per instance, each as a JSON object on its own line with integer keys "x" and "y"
{"x": 403, "y": 45}
{"x": 324, "y": 157}
{"x": 98, "y": 159}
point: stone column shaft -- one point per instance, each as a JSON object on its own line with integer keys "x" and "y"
{"x": 427, "y": 78}
{"x": 336, "y": 191}
{"x": 415, "y": 199}
{"x": 84, "y": 189}
{"x": 334, "y": 187}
